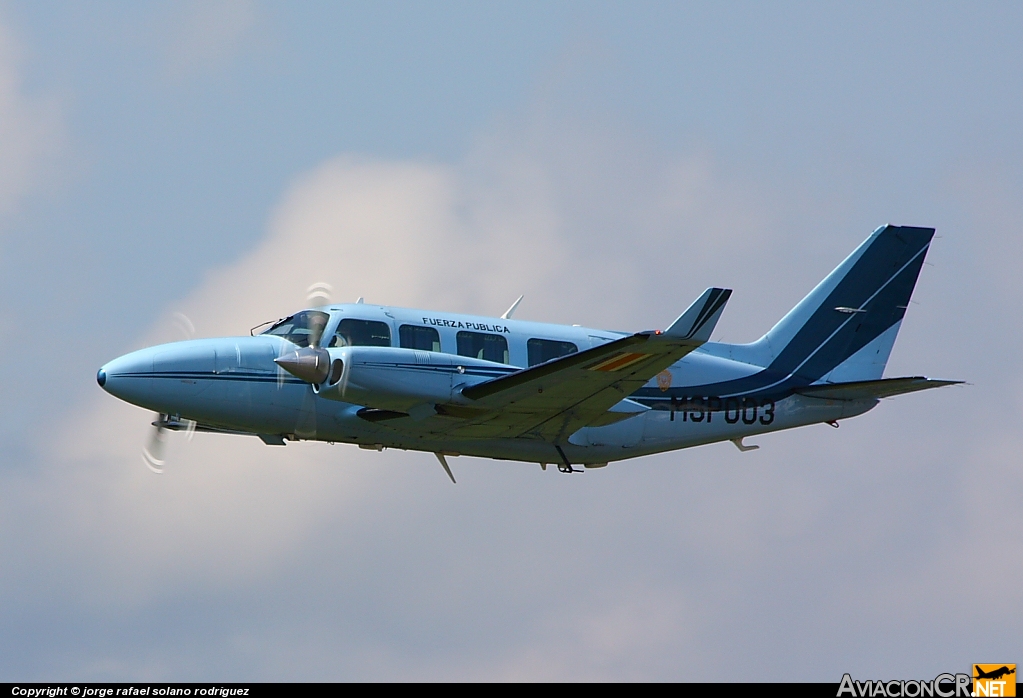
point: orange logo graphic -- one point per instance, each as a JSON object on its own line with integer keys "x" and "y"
{"x": 994, "y": 680}
{"x": 664, "y": 380}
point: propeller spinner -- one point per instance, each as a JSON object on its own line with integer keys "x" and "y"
{"x": 310, "y": 364}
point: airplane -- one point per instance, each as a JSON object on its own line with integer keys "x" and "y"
{"x": 454, "y": 384}
{"x": 994, "y": 674}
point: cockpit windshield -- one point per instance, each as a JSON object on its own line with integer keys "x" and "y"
{"x": 301, "y": 328}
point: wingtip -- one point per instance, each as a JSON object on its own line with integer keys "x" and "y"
{"x": 698, "y": 321}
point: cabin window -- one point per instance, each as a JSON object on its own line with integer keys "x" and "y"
{"x": 541, "y": 350}
{"x": 300, "y": 327}
{"x": 361, "y": 333}
{"x": 418, "y": 337}
{"x": 479, "y": 345}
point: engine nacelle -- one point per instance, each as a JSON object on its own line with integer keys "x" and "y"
{"x": 387, "y": 378}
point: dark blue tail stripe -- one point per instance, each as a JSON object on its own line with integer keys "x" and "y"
{"x": 879, "y": 283}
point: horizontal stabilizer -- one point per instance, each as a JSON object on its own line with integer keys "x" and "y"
{"x": 866, "y": 390}
{"x": 699, "y": 320}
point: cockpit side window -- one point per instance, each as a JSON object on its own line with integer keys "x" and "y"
{"x": 418, "y": 337}
{"x": 361, "y": 333}
{"x": 541, "y": 350}
{"x": 301, "y": 327}
{"x": 480, "y": 345}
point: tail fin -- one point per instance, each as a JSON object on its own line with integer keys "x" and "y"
{"x": 845, "y": 328}
{"x": 698, "y": 321}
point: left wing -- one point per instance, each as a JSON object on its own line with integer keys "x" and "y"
{"x": 553, "y": 400}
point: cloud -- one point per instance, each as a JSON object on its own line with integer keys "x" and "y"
{"x": 316, "y": 561}
{"x": 29, "y": 127}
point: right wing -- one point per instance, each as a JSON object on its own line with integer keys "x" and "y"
{"x": 553, "y": 400}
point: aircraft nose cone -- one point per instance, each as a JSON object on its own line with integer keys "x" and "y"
{"x": 309, "y": 364}
{"x": 127, "y": 377}
{"x": 165, "y": 377}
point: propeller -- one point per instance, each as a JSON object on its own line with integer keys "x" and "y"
{"x": 290, "y": 360}
{"x": 183, "y": 324}
{"x": 310, "y": 363}
{"x": 283, "y": 347}
{"x": 152, "y": 452}
{"x": 318, "y": 294}
{"x": 156, "y": 445}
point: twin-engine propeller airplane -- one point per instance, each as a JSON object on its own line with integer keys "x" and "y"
{"x": 386, "y": 377}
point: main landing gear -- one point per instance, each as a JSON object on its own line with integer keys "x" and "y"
{"x": 564, "y": 466}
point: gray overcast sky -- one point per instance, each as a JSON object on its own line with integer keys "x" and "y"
{"x": 607, "y": 160}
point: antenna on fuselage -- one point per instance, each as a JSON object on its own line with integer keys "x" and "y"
{"x": 360, "y": 300}
{"x": 444, "y": 463}
{"x": 508, "y": 313}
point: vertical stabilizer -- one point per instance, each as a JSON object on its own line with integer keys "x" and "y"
{"x": 845, "y": 328}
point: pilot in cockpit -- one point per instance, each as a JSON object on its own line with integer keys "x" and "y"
{"x": 301, "y": 327}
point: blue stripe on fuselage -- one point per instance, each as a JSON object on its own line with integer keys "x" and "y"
{"x": 209, "y": 375}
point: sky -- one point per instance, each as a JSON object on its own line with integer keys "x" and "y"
{"x": 607, "y": 160}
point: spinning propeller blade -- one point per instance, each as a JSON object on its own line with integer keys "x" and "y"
{"x": 282, "y": 349}
{"x": 318, "y": 294}
{"x": 156, "y": 445}
{"x": 152, "y": 452}
{"x": 183, "y": 324}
